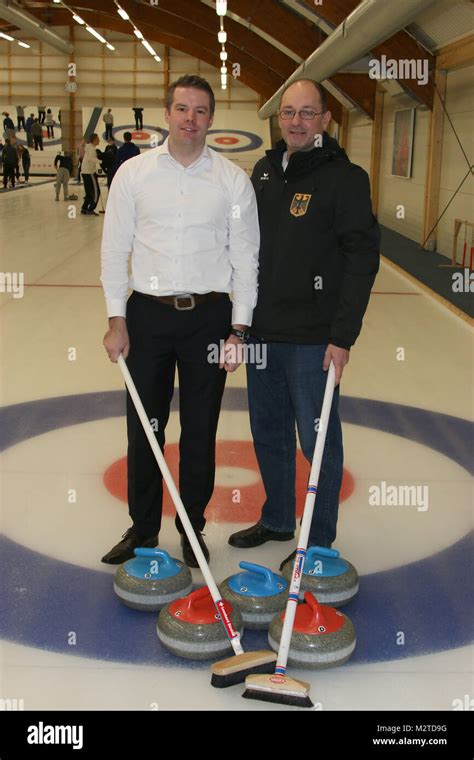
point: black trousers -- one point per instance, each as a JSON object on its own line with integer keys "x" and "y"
{"x": 9, "y": 174}
{"x": 139, "y": 121}
{"x": 108, "y": 131}
{"x": 92, "y": 192}
{"x": 161, "y": 339}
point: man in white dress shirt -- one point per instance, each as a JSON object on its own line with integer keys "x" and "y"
{"x": 188, "y": 217}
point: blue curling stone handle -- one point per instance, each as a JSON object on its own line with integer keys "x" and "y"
{"x": 152, "y": 564}
{"x": 257, "y": 581}
{"x": 324, "y": 562}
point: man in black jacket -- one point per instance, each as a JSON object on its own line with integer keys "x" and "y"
{"x": 318, "y": 262}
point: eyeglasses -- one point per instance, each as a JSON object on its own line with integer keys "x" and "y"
{"x": 306, "y": 113}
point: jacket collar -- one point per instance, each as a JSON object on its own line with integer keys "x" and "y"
{"x": 304, "y": 162}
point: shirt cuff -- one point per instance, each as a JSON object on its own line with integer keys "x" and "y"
{"x": 241, "y": 314}
{"x": 116, "y": 307}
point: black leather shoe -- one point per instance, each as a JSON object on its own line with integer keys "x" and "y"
{"x": 256, "y": 536}
{"x": 125, "y": 548}
{"x": 188, "y": 554}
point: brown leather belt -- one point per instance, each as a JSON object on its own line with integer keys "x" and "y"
{"x": 186, "y": 302}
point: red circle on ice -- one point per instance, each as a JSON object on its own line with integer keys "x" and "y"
{"x": 226, "y": 140}
{"x": 140, "y": 135}
{"x": 234, "y": 503}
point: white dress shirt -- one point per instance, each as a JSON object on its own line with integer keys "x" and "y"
{"x": 90, "y": 164}
{"x": 188, "y": 229}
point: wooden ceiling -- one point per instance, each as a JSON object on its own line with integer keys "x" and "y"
{"x": 191, "y": 27}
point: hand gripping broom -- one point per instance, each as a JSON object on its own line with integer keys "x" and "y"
{"x": 243, "y": 663}
{"x": 278, "y": 687}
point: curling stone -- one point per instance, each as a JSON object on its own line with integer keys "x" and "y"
{"x": 257, "y": 592}
{"x": 322, "y": 636}
{"x": 192, "y": 627}
{"x": 152, "y": 579}
{"x": 332, "y": 579}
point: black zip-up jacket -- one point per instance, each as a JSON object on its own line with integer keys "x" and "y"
{"x": 65, "y": 162}
{"x": 319, "y": 250}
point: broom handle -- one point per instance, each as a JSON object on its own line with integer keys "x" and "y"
{"x": 294, "y": 590}
{"x": 180, "y": 508}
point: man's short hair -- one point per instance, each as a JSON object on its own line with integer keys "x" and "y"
{"x": 127, "y": 136}
{"x": 322, "y": 92}
{"x": 191, "y": 80}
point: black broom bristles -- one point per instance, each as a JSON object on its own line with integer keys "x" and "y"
{"x": 239, "y": 676}
{"x": 277, "y": 697}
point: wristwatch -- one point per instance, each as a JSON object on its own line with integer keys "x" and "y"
{"x": 244, "y": 336}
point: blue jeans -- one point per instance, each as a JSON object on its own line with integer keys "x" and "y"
{"x": 290, "y": 390}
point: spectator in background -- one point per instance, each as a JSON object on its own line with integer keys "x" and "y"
{"x": 41, "y": 114}
{"x": 108, "y": 158}
{"x": 80, "y": 150}
{"x": 49, "y": 123}
{"x": 37, "y": 134}
{"x": 29, "y": 122}
{"x": 138, "y": 113}
{"x": 128, "y": 150}
{"x": 89, "y": 175}
{"x": 8, "y": 125}
{"x": 10, "y": 163}
{"x": 1, "y": 155}
{"x": 109, "y": 123}
{"x": 24, "y": 159}
{"x": 63, "y": 166}
{"x": 20, "y": 115}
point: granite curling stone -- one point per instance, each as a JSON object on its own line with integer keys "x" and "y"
{"x": 152, "y": 579}
{"x": 192, "y": 628}
{"x": 333, "y": 580}
{"x": 257, "y": 592}
{"x": 322, "y": 636}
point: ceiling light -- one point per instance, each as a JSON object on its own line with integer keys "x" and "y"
{"x": 6, "y": 37}
{"x": 111, "y": 47}
{"x": 223, "y": 55}
{"x": 157, "y": 58}
{"x": 123, "y": 13}
{"x": 221, "y": 7}
{"x": 223, "y": 69}
{"x": 222, "y": 37}
{"x": 23, "y": 44}
{"x": 148, "y": 47}
{"x": 96, "y": 34}
{"x": 138, "y": 34}
{"x": 78, "y": 18}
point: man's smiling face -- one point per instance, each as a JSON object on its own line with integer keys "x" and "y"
{"x": 298, "y": 133}
{"x": 189, "y": 117}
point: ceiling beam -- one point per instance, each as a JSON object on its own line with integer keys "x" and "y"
{"x": 457, "y": 54}
{"x": 400, "y": 46}
{"x": 303, "y": 38}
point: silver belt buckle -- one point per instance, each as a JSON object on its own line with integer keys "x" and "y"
{"x": 185, "y": 298}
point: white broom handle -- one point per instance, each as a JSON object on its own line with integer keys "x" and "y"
{"x": 294, "y": 590}
{"x": 180, "y": 508}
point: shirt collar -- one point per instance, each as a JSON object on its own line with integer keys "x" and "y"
{"x": 163, "y": 150}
